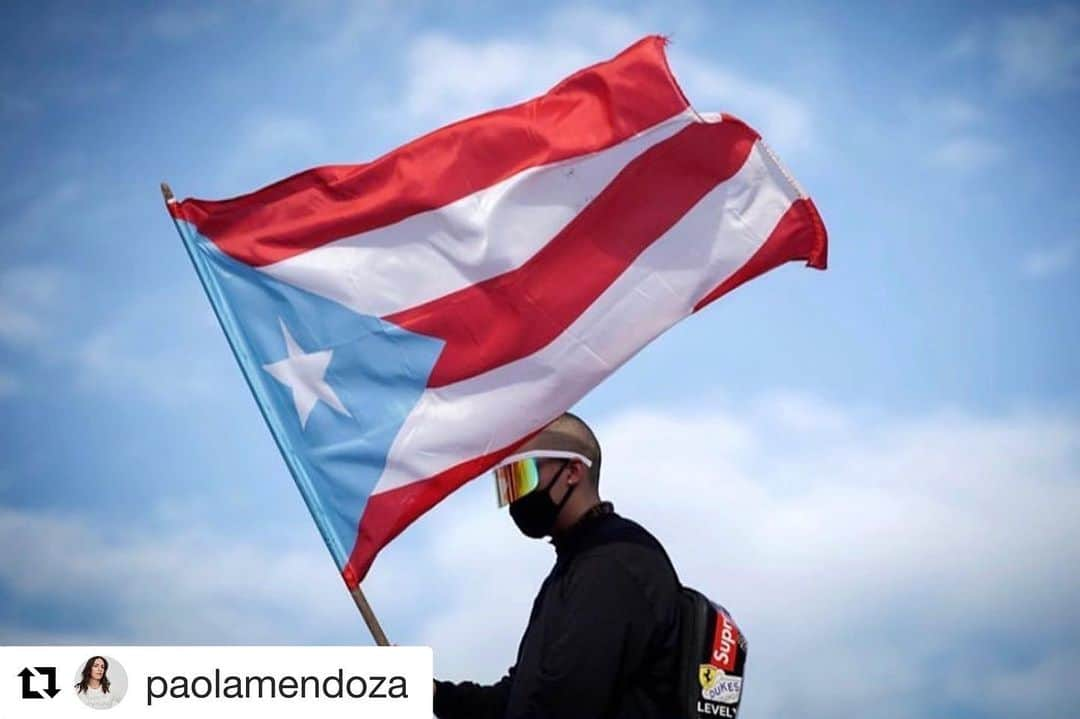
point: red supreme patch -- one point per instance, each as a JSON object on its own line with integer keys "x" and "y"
{"x": 725, "y": 643}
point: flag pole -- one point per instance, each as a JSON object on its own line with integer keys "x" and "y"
{"x": 357, "y": 594}
{"x": 369, "y": 616}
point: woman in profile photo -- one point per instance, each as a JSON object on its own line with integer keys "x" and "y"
{"x": 93, "y": 689}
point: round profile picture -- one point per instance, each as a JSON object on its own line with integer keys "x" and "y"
{"x": 100, "y": 682}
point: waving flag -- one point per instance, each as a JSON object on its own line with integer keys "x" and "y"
{"x": 406, "y": 323}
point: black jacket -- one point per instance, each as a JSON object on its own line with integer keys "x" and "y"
{"x": 601, "y": 639}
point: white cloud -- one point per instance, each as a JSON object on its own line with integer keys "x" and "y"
{"x": 1038, "y": 51}
{"x": 967, "y": 154}
{"x": 188, "y": 587}
{"x": 783, "y": 119}
{"x": 610, "y": 31}
{"x": 28, "y": 297}
{"x": 143, "y": 352}
{"x": 802, "y": 414}
{"x": 139, "y": 351}
{"x": 1048, "y": 261}
{"x": 1032, "y": 51}
{"x": 343, "y": 27}
{"x": 920, "y": 562}
{"x": 43, "y": 209}
{"x": 911, "y": 559}
{"x": 477, "y": 76}
{"x": 269, "y": 146}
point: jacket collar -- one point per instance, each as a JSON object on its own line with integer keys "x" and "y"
{"x": 568, "y": 542}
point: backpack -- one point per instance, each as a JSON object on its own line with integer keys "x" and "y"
{"x": 712, "y": 650}
{"x": 712, "y": 659}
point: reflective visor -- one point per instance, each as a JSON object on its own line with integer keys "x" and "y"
{"x": 519, "y": 474}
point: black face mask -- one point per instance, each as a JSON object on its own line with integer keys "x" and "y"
{"x": 536, "y": 512}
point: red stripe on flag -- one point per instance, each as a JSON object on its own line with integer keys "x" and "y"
{"x": 592, "y": 109}
{"x": 799, "y": 235}
{"x": 517, "y": 313}
{"x": 387, "y": 514}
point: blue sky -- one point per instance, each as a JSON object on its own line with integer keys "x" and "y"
{"x": 932, "y": 369}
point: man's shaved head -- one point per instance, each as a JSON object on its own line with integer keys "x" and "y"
{"x": 570, "y": 433}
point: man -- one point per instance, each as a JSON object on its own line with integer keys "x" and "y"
{"x": 603, "y": 632}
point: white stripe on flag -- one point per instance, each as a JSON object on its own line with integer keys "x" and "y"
{"x": 474, "y": 417}
{"x": 493, "y": 231}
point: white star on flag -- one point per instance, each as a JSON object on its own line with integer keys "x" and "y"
{"x": 305, "y": 374}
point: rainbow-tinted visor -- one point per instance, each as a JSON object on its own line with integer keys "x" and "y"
{"x": 519, "y": 474}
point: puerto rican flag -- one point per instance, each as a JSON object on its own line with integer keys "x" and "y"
{"x": 406, "y": 323}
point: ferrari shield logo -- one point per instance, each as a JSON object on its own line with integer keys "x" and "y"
{"x": 707, "y": 675}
